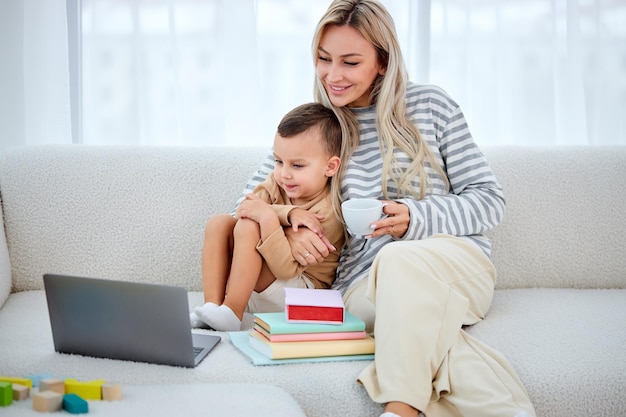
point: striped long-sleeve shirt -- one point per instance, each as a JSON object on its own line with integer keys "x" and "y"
{"x": 475, "y": 200}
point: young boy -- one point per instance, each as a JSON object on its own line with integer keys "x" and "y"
{"x": 246, "y": 259}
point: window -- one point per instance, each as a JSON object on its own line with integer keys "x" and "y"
{"x": 223, "y": 72}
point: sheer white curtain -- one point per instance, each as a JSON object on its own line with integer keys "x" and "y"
{"x": 225, "y": 71}
{"x": 207, "y": 72}
{"x": 534, "y": 71}
{"x": 194, "y": 72}
{"x": 34, "y": 73}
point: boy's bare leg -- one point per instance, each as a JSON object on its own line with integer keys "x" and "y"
{"x": 216, "y": 257}
{"x": 246, "y": 266}
{"x": 216, "y": 250}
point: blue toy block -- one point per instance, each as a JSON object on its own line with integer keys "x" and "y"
{"x": 36, "y": 378}
{"x": 73, "y": 404}
{"x": 6, "y": 394}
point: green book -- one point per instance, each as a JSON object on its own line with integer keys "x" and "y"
{"x": 276, "y": 323}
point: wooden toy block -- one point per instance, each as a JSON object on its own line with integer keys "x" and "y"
{"x": 6, "y": 394}
{"x": 15, "y": 380}
{"x": 47, "y": 401}
{"x": 91, "y": 390}
{"x": 52, "y": 384}
{"x": 111, "y": 392}
{"x": 35, "y": 378}
{"x": 73, "y": 404}
{"x": 20, "y": 392}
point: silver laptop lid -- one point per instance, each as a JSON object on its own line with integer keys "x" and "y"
{"x": 123, "y": 320}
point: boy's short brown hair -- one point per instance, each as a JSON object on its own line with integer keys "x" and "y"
{"x": 310, "y": 115}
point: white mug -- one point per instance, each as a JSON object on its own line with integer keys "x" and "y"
{"x": 360, "y": 213}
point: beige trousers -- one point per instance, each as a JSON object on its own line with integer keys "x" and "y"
{"x": 418, "y": 296}
{"x": 273, "y": 297}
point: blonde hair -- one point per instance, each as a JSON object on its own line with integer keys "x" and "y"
{"x": 395, "y": 130}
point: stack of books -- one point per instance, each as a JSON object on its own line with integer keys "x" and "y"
{"x": 314, "y": 324}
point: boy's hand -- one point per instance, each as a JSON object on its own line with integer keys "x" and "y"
{"x": 253, "y": 208}
{"x": 307, "y": 247}
{"x": 299, "y": 217}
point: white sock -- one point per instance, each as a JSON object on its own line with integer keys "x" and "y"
{"x": 389, "y": 414}
{"x": 221, "y": 318}
{"x": 196, "y": 322}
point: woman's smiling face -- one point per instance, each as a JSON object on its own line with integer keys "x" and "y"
{"x": 347, "y": 65}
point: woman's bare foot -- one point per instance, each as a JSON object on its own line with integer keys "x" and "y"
{"x": 401, "y": 409}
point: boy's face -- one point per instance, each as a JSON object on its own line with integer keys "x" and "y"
{"x": 301, "y": 166}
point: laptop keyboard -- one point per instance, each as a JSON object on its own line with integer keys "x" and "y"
{"x": 196, "y": 351}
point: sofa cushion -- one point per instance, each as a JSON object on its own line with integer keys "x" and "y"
{"x": 567, "y": 346}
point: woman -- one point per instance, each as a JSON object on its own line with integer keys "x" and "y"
{"x": 424, "y": 272}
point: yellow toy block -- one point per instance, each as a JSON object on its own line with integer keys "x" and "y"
{"x": 52, "y": 384}
{"x": 91, "y": 390}
{"x": 20, "y": 392}
{"x": 15, "y": 380}
{"x": 111, "y": 392}
{"x": 47, "y": 401}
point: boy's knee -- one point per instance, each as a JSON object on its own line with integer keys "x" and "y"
{"x": 246, "y": 227}
{"x": 219, "y": 223}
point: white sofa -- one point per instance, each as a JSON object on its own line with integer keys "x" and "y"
{"x": 138, "y": 213}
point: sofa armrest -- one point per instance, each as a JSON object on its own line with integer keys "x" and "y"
{"x": 5, "y": 264}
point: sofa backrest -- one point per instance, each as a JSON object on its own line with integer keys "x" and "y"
{"x": 128, "y": 213}
{"x": 565, "y": 222}
{"x": 138, "y": 213}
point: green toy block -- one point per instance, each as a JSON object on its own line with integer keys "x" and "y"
{"x": 91, "y": 390}
{"x": 6, "y": 394}
{"x": 73, "y": 404}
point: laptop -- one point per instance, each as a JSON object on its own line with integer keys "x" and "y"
{"x": 124, "y": 320}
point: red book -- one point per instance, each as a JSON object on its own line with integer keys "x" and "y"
{"x": 308, "y": 305}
